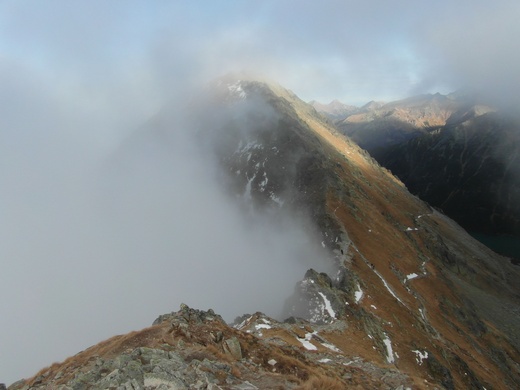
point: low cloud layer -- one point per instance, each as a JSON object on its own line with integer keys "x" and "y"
{"x": 87, "y": 252}
{"x": 100, "y": 240}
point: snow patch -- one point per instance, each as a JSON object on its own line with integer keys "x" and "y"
{"x": 263, "y": 183}
{"x": 236, "y": 89}
{"x": 331, "y": 347}
{"x": 420, "y": 356}
{"x": 262, "y": 326}
{"x": 247, "y": 192}
{"x": 276, "y": 199}
{"x": 411, "y": 276}
{"x": 328, "y": 306}
{"x": 325, "y": 360}
{"x": 423, "y": 268}
{"x": 251, "y": 145}
{"x": 389, "y": 352}
{"x": 358, "y": 294}
{"x": 306, "y": 342}
{"x": 388, "y": 287}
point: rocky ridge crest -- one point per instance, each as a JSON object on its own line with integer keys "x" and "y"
{"x": 195, "y": 349}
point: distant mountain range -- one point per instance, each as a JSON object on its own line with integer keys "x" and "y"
{"x": 335, "y": 109}
{"x": 383, "y": 125}
{"x": 413, "y": 302}
{"x": 453, "y": 152}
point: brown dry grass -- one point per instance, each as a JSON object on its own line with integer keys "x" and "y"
{"x": 149, "y": 337}
{"x": 390, "y": 209}
{"x": 322, "y": 382}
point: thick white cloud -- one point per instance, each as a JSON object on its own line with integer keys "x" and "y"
{"x": 78, "y": 78}
{"x": 475, "y": 47}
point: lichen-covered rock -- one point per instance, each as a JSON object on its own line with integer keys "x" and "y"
{"x": 232, "y": 346}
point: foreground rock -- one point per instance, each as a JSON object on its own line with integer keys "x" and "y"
{"x": 193, "y": 349}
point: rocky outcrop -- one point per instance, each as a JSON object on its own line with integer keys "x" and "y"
{"x": 195, "y": 349}
{"x": 318, "y": 298}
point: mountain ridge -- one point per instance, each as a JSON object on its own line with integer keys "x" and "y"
{"x": 417, "y": 295}
{"x": 453, "y": 151}
{"x": 399, "y": 121}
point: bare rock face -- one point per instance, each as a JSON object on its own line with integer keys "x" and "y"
{"x": 318, "y": 299}
{"x": 232, "y": 347}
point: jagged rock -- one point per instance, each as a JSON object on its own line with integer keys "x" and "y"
{"x": 317, "y": 299}
{"x": 187, "y": 314}
{"x": 216, "y": 336}
{"x": 232, "y": 346}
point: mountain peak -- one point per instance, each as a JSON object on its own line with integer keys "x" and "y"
{"x": 335, "y": 110}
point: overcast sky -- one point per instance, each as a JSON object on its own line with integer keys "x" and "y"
{"x": 77, "y": 78}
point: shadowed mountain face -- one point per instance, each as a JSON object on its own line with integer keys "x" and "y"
{"x": 410, "y": 300}
{"x": 469, "y": 169}
{"x": 457, "y": 155}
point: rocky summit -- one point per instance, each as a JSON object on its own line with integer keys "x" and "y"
{"x": 414, "y": 302}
